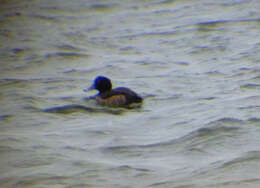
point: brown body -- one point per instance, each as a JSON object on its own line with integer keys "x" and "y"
{"x": 117, "y": 100}
{"x": 118, "y": 97}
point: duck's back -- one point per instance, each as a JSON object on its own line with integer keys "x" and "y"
{"x": 130, "y": 95}
{"x": 119, "y": 97}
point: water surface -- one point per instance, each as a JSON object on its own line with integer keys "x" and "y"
{"x": 196, "y": 63}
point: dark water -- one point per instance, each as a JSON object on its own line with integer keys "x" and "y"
{"x": 196, "y": 63}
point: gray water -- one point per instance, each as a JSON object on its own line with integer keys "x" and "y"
{"x": 195, "y": 62}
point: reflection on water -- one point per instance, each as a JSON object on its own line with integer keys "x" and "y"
{"x": 66, "y": 109}
{"x": 196, "y": 63}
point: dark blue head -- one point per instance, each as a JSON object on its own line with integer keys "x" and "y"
{"x": 102, "y": 84}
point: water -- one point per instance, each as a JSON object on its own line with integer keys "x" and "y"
{"x": 195, "y": 62}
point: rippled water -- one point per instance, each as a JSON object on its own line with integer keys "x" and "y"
{"x": 196, "y": 63}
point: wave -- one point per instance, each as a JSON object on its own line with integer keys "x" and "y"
{"x": 226, "y": 169}
{"x": 46, "y": 17}
{"x": 149, "y": 34}
{"x": 216, "y": 22}
{"x": 67, "y": 109}
{"x": 65, "y": 55}
{"x": 214, "y": 131}
{"x": 227, "y": 120}
{"x": 128, "y": 168}
{"x": 9, "y": 149}
{"x": 39, "y": 179}
{"x": 5, "y": 117}
{"x": 103, "y": 7}
{"x": 252, "y": 156}
{"x": 68, "y": 47}
{"x": 254, "y": 119}
{"x": 250, "y": 86}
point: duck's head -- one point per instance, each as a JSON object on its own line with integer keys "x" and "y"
{"x": 102, "y": 84}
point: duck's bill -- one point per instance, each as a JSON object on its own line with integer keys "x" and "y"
{"x": 89, "y": 89}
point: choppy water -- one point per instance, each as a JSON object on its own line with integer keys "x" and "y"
{"x": 196, "y": 63}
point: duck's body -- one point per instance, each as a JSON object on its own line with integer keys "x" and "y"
{"x": 118, "y": 97}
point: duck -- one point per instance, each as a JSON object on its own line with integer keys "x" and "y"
{"x": 117, "y": 97}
